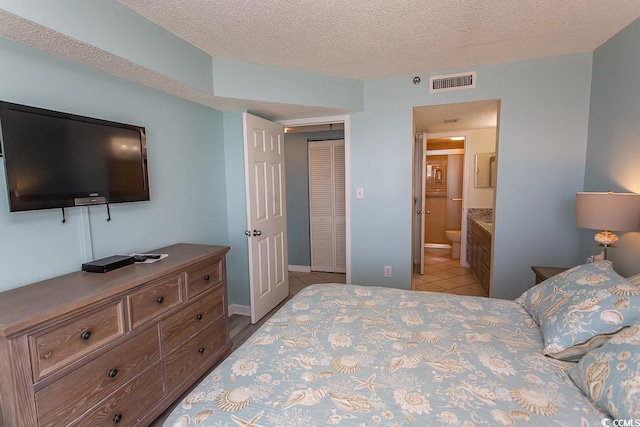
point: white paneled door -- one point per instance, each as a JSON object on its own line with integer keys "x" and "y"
{"x": 327, "y": 206}
{"x": 266, "y": 214}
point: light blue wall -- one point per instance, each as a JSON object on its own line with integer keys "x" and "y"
{"x": 186, "y": 170}
{"x": 297, "y": 170}
{"x": 613, "y": 151}
{"x": 541, "y": 152}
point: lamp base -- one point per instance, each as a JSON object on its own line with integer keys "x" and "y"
{"x": 605, "y": 238}
{"x": 603, "y": 252}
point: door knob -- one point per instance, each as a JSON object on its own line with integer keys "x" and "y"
{"x": 247, "y": 233}
{"x": 257, "y": 232}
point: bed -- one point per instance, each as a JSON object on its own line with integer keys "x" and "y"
{"x": 354, "y": 355}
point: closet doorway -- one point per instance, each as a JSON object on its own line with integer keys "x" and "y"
{"x": 327, "y": 206}
{"x": 299, "y": 134}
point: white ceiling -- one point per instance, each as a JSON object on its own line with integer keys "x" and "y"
{"x": 371, "y": 39}
{"x": 468, "y": 115}
{"x": 360, "y": 39}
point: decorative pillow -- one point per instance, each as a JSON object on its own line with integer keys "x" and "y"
{"x": 575, "y": 352}
{"x": 579, "y": 304}
{"x": 610, "y": 375}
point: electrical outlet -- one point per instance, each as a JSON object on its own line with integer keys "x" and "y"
{"x": 387, "y": 271}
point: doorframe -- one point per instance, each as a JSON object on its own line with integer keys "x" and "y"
{"x": 325, "y": 120}
{"x": 465, "y": 186}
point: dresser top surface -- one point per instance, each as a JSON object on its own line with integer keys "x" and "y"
{"x": 23, "y": 307}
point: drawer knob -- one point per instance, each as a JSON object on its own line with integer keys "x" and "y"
{"x": 199, "y": 316}
{"x": 160, "y": 300}
{"x": 85, "y": 335}
{"x": 47, "y": 355}
{"x": 117, "y": 418}
{"x": 112, "y": 373}
{"x": 206, "y": 277}
{"x": 201, "y": 350}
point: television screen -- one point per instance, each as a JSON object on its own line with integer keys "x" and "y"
{"x": 54, "y": 159}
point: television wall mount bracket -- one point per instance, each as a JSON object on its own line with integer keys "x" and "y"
{"x": 64, "y": 219}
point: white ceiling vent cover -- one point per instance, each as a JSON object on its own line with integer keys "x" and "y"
{"x": 449, "y": 82}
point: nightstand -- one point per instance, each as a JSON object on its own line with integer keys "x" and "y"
{"x": 543, "y": 273}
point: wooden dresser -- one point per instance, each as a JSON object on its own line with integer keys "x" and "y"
{"x": 116, "y": 348}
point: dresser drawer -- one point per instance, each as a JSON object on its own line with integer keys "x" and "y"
{"x": 183, "y": 325}
{"x": 204, "y": 277}
{"x": 129, "y": 404}
{"x": 58, "y": 346}
{"x": 154, "y": 300}
{"x": 66, "y": 399}
{"x": 195, "y": 354}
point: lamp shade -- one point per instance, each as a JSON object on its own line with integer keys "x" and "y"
{"x": 608, "y": 211}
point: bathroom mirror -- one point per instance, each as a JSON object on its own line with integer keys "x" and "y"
{"x": 485, "y": 170}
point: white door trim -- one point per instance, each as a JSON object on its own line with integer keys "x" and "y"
{"x": 346, "y": 119}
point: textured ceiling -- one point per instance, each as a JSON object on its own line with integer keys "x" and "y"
{"x": 370, "y": 39}
{"x": 469, "y": 115}
{"x": 361, "y": 39}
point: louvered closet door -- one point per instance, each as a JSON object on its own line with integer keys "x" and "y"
{"x": 327, "y": 206}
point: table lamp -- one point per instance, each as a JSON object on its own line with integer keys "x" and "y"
{"x": 608, "y": 212}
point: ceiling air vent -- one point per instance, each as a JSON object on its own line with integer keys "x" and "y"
{"x": 452, "y": 82}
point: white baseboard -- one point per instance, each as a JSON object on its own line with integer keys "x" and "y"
{"x": 300, "y": 268}
{"x": 242, "y": 310}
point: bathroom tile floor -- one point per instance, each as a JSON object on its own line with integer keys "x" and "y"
{"x": 444, "y": 274}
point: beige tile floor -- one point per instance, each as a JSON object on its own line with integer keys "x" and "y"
{"x": 444, "y": 274}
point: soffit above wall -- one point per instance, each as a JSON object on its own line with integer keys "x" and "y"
{"x": 45, "y": 39}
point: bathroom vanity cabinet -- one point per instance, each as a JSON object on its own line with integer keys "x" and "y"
{"x": 479, "y": 253}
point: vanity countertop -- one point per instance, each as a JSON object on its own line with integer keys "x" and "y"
{"x": 485, "y": 223}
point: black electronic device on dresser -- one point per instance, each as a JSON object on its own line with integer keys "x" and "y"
{"x": 107, "y": 264}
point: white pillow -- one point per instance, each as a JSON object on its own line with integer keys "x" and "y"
{"x": 634, "y": 280}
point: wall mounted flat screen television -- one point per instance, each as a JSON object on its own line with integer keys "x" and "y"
{"x": 56, "y": 160}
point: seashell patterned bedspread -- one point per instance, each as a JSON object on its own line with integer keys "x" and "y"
{"x": 352, "y": 355}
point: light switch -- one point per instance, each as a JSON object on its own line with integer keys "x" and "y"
{"x": 360, "y": 193}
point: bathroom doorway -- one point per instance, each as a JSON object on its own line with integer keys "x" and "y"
{"x": 439, "y": 184}
{"x": 439, "y": 217}
{"x": 444, "y": 173}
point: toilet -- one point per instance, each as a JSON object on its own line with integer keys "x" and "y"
{"x": 454, "y": 237}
